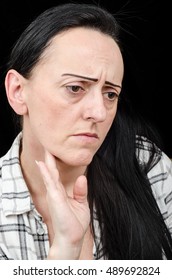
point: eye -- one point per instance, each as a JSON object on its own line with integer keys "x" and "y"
{"x": 74, "y": 89}
{"x": 111, "y": 96}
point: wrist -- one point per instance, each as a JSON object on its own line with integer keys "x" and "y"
{"x": 67, "y": 252}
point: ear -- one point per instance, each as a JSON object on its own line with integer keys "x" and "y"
{"x": 14, "y": 85}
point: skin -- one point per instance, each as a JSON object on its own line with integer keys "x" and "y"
{"x": 68, "y": 106}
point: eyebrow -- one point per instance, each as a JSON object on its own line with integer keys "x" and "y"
{"x": 90, "y": 79}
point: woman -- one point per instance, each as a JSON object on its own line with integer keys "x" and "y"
{"x": 101, "y": 188}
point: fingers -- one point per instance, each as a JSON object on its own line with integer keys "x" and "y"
{"x": 80, "y": 189}
{"x": 51, "y": 165}
{"x": 49, "y": 170}
{"x": 50, "y": 160}
{"x": 52, "y": 181}
{"x": 46, "y": 176}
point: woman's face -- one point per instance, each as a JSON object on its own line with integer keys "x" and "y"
{"x": 72, "y": 95}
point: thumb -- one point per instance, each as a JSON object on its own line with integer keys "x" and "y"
{"x": 80, "y": 189}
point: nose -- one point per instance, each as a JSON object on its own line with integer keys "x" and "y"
{"x": 94, "y": 108}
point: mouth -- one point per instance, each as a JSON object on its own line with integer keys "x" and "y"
{"x": 86, "y": 137}
{"x": 87, "y": 134}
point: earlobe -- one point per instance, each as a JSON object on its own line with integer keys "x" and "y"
{"x": 14, "y": 85}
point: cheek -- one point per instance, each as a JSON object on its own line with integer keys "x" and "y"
{"x": 43, "y": 109}
{"x": 110, "y": 118}
{"x": 105, "y": 126}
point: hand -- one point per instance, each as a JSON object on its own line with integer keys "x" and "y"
{"x": 70, "y": 215}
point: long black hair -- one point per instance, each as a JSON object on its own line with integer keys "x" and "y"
{"x": 129, "y": 219}
{"x": 120, "y": 196}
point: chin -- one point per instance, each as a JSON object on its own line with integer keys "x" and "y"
{"x": 81, "y": 160}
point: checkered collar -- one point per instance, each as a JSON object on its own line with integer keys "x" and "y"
{"x": 16, "y": 197}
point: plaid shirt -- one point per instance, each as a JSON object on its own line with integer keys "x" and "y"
{"x": 23, "y": 235}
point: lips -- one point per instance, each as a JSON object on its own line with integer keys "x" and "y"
{"x": 87, "y": 134}
{"x": 86, "y": 138}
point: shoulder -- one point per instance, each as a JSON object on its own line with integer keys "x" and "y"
{"x": 159, "y": 174}
{"x": 160, "y": 165}
{"x": 160, "y": 178}
{"x": 9, "y": 161}
{"x": 147, "y": 151}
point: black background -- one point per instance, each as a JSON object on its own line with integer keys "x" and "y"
{"x": 145, "y": 40}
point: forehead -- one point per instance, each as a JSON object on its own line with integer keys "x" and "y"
{"x": 82, "y": 38}
{"x": 83, "y": 48}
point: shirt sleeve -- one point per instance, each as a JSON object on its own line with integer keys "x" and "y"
{"x": 160, "y": 177}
